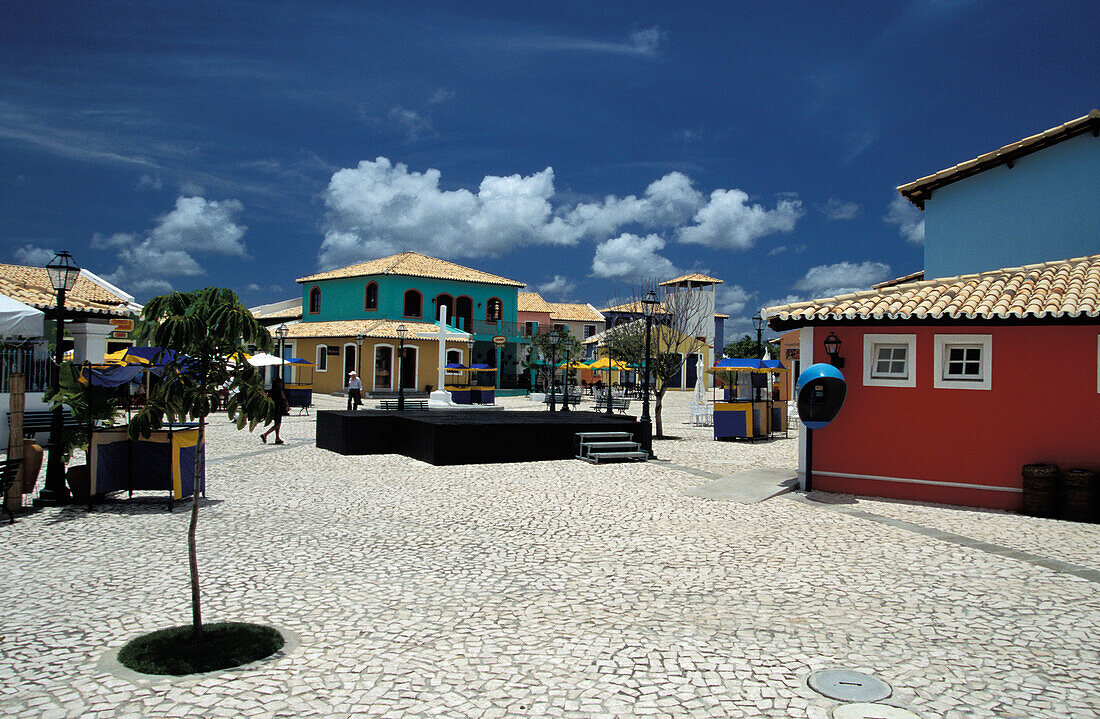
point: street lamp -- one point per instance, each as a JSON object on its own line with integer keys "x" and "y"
{"x": 280, "y": 332}
{"x": 402, "y": 332}
{"x": 565, "y": 383}
{"x": 358, "y": 357}
{"x": 649, "y": 307}
{"x": 555, "y": 338}
{"x": 63, "y": 272}
{"x": 832, "y": 348}
{"x": 758, "y": 323}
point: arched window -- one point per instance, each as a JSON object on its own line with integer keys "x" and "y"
{"x": 445, "y": 300}
{"x": 454, "y": 356}
{"x": 413, "y": 302}
{"x": 315, "y": 300}
{"x": 464, "y": 313}
{"x": 494, "y": 310}
{"x": 322, "y": 358}
{"x": 370, "y": 299}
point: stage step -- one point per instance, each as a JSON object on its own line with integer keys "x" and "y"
{"x": 595, "y": 457}
{"x": 596, "y": 446}
{"x": 587, "y": 436}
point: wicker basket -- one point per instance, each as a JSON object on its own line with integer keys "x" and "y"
{"x": 1040, "y": 484}
{"x": 1078, "y": 500}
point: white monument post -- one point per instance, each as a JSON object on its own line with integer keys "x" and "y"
{"x": 441, "y": 397}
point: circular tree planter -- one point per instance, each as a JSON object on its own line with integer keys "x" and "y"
{"x": 176, "y": 651}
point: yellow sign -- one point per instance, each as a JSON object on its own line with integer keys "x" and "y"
{"x": 123, "y": 324}
{"x": 500, "y": 340}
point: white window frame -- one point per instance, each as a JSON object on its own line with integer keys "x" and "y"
{"x": 869, "y": 343}
{"x": 393, "y": 367}
{"x": 588, "y": 334}
{"x": 939, "y": 359}
{"x": 321, "y": 350}
{"x": 358, "y": 361}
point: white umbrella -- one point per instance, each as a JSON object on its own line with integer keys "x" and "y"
{"x": 700, "y": 382}
{"x": 263, "y": 359}
{"x": 18, "y": 319}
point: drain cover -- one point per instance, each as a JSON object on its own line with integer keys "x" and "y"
{"x": 871, "y": 711}
{"x": 849, "y": 686}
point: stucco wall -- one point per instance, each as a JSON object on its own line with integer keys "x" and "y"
{"x": 1044, "y": 208}
{"x": 1041, "y": 407}
{"x": 333, "y": 379}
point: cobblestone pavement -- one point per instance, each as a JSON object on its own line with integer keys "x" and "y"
{"x": 544, "y": 589}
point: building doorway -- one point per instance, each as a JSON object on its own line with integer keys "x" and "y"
{"x": 408, "y": 368}
{"x": 383, "y": 364}
{"x": 349, "y": 362}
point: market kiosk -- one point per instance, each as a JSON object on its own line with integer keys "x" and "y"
{"x": 749, "y": 408}
{"x": 458, "y": 382}
{"x": 466, "y": 384}
{"x": 299, "y": 392}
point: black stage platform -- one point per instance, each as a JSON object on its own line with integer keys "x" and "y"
{"x": 467, "y": 437}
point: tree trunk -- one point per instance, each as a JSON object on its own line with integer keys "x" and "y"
{"x": 657, "y": 397}
{"x": 192, "y": 554}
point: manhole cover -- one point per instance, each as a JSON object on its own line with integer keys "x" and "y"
{"x": 849, "y": 686}
{"x": 871, "y": 711}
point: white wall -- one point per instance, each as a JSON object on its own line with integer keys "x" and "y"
{"x": 33, "y": 401}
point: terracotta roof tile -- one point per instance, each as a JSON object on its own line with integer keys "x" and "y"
{"x": 576, "y": 312}
{"x": 1066, "y": 288}
{"x": 634, "y": 308}
{"x": 31, "y": 286}
{"x": 696, "y": 277}
{"x": 375, "y": 329}
{"x": 920, "y": 190}
{"x": 533, "y": 302}
{"x": 413, "y": 264}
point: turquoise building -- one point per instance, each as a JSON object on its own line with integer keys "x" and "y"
{"x": 356, "y": 310}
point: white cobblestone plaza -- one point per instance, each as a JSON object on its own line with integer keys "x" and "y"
{"x": 558, "y": 589}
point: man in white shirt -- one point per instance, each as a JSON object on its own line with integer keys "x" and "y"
{"x": 355, "y": 391}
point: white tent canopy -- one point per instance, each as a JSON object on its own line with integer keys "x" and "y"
{"x": 263, "y": 359}
{"x": 18, "y": 319}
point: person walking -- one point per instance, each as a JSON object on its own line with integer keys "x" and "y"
{"x": 355, "y": 391}
{"x": 278, "y": 396}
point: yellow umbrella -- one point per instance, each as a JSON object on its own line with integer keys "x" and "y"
{"x": 574, "y": 365}
{"x": 115, "y": 357}
{"x": 605, "y": 363}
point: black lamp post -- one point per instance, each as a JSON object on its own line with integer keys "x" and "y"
{"x": 402, "y": 332}
{"x": 554, "y": 338}
{"x": 359, "y": 356}
{"x": 63, "y": 272}
{"x": 832, "y": 348}
{"x": 281, "y": 332}
{"x": 649, "y": 306}
{"x": 609, "y": 382}
{"x": 758, "y": 323}
{"x": 565, "y": 383}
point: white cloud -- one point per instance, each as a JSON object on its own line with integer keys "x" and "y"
{"x": 836, "y": 209}
{"x": 644, "y": 43}
{"x": 441, "y": 95}
{"x": 379, "y": 208}
{"x": 149, "y": 182}
{"x": 909, "y": 219}
{"x": 842, "y": 278}
{"x": 629, "y": 257}
{"x": 33, "y": 256}
{"x": 150, "y": 262}
{"x": 413, "y": 124}
{"x": 557, "y": 287}
{"x": 728, "y": 221}
{"x": 732, "y": 299}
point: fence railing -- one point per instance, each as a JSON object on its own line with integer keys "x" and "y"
{"x": 507, "y": 329}
{"x": 33, "y": 362}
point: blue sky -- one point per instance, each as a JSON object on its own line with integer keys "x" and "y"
{"x": 571, "y": 146}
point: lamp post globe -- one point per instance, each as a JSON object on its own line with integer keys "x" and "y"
{"x": 63, "y": 273}
{"x": 402, "y": 333}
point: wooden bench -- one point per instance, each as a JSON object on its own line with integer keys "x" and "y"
{"x": 574, "y": 400}
{"x": 620, "y": 404}
{"x": 9, "y": 471}
{"x": 410, "y": 404}
{"x": 38, "y": 421}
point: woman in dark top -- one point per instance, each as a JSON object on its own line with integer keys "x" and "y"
{"x": 278, "y": 396}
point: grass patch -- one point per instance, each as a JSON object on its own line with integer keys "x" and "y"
{"x": 222, "y": 646}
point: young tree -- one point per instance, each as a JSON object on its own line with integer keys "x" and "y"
{"x": 745, "y": 348}
{"x": 207, "y": 330}
{"x": 679, "y": 329}
{"x": 540, "y": 353}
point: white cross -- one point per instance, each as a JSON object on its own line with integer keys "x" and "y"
{"x": 443, "y": 335}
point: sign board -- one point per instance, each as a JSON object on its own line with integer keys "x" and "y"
{"x": 123, "y": 324}
{"x": 116, "y": 335}
{"x": 500, "y": 340}
{"x": 332, "y": 350}
{"x": 790, "y": 353}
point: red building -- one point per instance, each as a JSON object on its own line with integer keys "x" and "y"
{"x": 954, "y": 384}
